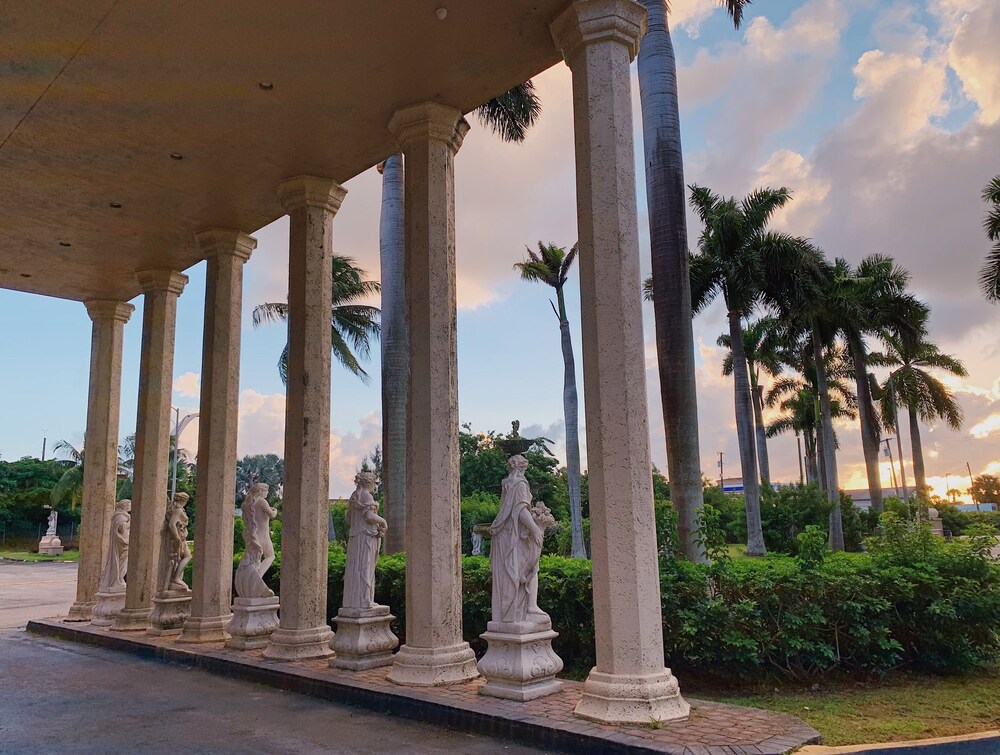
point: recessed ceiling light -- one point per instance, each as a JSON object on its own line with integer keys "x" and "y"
{"x": 115, "y": 205}
{"x": 267, "y": 86}
{"x": 441, "y": 13}
{"x": 176, "y": 156}
{"x": 25, "y": 275}
{"x": 65, "y": 243}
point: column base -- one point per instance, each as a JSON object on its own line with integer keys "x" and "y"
{"x": 107, "y": 608}
{"x": 433, "y": 667}
{"x": 170, "y": 609}
{"x": 131, "y": 620}
{"x": 50, "y": 545}
{"x": 254, "y": 619}
{"x": 632, "y": 699}
{"x": 81, "y": 611}
{"x": 299, "y": 644}
{"x": 364, "y": 639}
{"x": 205, "y": 629}
{"x": 519, "y": 665}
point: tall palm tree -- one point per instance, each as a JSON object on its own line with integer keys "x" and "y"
{"x": 509, "y": 116}
{"x": 736, "y": 256}
{"x": 989, "y": 277}
{"x": 550, "y": 265}
{"x": 352, "y": 325}
{"x": 761, "y": 348}
{"x": 911, "y": 384}
{"x": 70, "y": 484}
{"x": 671, "y": 286}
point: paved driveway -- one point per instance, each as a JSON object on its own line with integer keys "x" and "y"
{"x": 35, "y": 591}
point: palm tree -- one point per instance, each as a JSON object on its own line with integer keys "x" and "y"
{"x": 269, "y": 468}
{"x": 736, "y": 256}
{"x": 669, "y": 262}
{"x": 352, "y": 325}
{"x": 761, "y": 348}
{"x": 550, "y": 265}
{"x": 70, "y": 484}
{"x": 509, "y": 116}
{"x": 911, "y": 384}
{"x": 989, "y": 277}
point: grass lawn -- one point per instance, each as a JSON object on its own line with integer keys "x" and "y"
{"x": 26, "y": 556}
{"x": 908, "y": 707}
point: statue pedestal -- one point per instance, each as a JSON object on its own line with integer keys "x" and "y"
{"x": 363, "y": 639}
{"x": 520, "y": 663}
{"x": 50, "y": 545}
{"x": 254, "y": 619}
{"x": 170, "y": 609}
{"x": 109, "y": 605}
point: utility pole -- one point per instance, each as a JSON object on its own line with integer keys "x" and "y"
{"x": 43, "y": 448}
{"x": 722, "y": 476}
{"x": 972, "y": 486}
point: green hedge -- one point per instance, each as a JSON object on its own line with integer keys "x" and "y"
{"x": 912, "y": 600}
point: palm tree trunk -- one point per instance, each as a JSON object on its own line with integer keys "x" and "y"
{"x": 902, "y": 469}
{"x": 745, "y": 435}
{"x": 821, "y": 477}
{"x": 918, "y": 455}
{"x": 571, "y": 412}
{"x": 812, "y": 467}
{"x": 869, "y": 435}
{"x": 669, "y": 265}
{"x": 761, "y": 431}
{"x": 829, "y": 449}
{"x": 395, "y": 360}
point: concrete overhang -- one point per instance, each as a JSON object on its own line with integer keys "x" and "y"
{"x": 97, "y": 95}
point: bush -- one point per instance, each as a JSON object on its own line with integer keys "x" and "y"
{"x": 732, "y": 512}
{"x": 480, "y": 508}
{"x": 787, "y": 512}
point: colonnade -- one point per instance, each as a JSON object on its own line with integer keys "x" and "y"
{"x": 598, "y": 39}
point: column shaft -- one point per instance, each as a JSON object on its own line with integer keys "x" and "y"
{"x": 226, "y": 251}
{"x": 101, "y": 445}
{"x": 435, "y": 652}
{"x": 598, "y": 39}
{"x": 303, "y": 631}
{"x": 152, "y": 442}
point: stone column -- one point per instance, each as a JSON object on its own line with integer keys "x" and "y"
{"x": 303, "y": 631}
{"x": 101, "y": 442}
{"x": 152, "y": 442}
{"x": 215, "y": 501}
{"x": 598, "y": 39}
{"x": 434, "y": 653}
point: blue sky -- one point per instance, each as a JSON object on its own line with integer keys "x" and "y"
{"x": 883, "y": 117}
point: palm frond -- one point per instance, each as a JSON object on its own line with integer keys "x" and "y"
{"x": 511, "y": 114}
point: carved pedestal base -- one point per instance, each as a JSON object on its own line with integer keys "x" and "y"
{"x": 170, "y": 609}
{"x": 109, "y": 605}
{"x": 205, "y": 629}
{"x": 50, "y": 545}
{"x": 254, "y": 619}
{"x": 632, "y": 699}
{"x": 81, "y": 611}
{"x": 364, "y": 639}
{"x": 299, "y": 644}
{"x": 520, "y": 663}
{"x": 432, "y": 667}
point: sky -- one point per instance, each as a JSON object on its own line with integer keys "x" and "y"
{"x": 882, "y": 117}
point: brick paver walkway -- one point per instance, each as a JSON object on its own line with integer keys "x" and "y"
{"x": 712, "y": 728}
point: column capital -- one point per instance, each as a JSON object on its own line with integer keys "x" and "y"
{"x": 428, "y": 121}
{"x": 109, "y": 309}
{"x": 217, "y": 241}
{"x": 311, "y": 191}
{"x": 587, "y": 21}
{"x": 161, "y": 280}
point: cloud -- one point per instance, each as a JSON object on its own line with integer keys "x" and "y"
{"x": 188, "y": 384}
{"x": 973, "y": 56}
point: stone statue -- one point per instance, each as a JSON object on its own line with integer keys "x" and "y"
{"x": 174, "y": 551}
{"x": 364, "y": 638}
{"x": 367, "y": 529}
{"x": 519, "y": 663}
{"x": 258, "y": 549}
{"x": 515, "y": 550}
{"x": 477, "y": 543}
{"x": 53, "y": 520}
{"x": 50, "y": 544}
{"x": 116, "y": 559}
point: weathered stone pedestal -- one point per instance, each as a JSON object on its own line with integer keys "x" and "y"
{"x": 364, "y": 639}
{"x": 632, "y": 699}
{"x": 107, "y": 608}
{"x": 299, "y": 644}
{"x": 254, "y": 619}
{"x": 520, "y": 663}
{"x": 170, "y": 609}
{"x": 50, "y": 545}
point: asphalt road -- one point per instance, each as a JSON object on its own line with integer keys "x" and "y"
{"x": 35, "y": 591}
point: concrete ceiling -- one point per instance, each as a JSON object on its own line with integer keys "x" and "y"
{"x": 95, "y": 95}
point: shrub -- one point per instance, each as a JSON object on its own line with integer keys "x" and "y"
{"x": 787, "y": 512}
{"x": 239, "y": 526}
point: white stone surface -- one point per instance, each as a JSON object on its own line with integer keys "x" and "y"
{"x": 364, "y": 638}
{"x": 598, "y": 39}
{"x": 254, "y": 619}
{"x": 519, "y": 665}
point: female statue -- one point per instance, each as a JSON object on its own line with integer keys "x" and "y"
{"x": 116, "y": 558}
{"x": 258, "y": 549}
{"x": 515, "y": 550}
{"x": 174, "y": 551}
{"x": 366, "y": 531}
